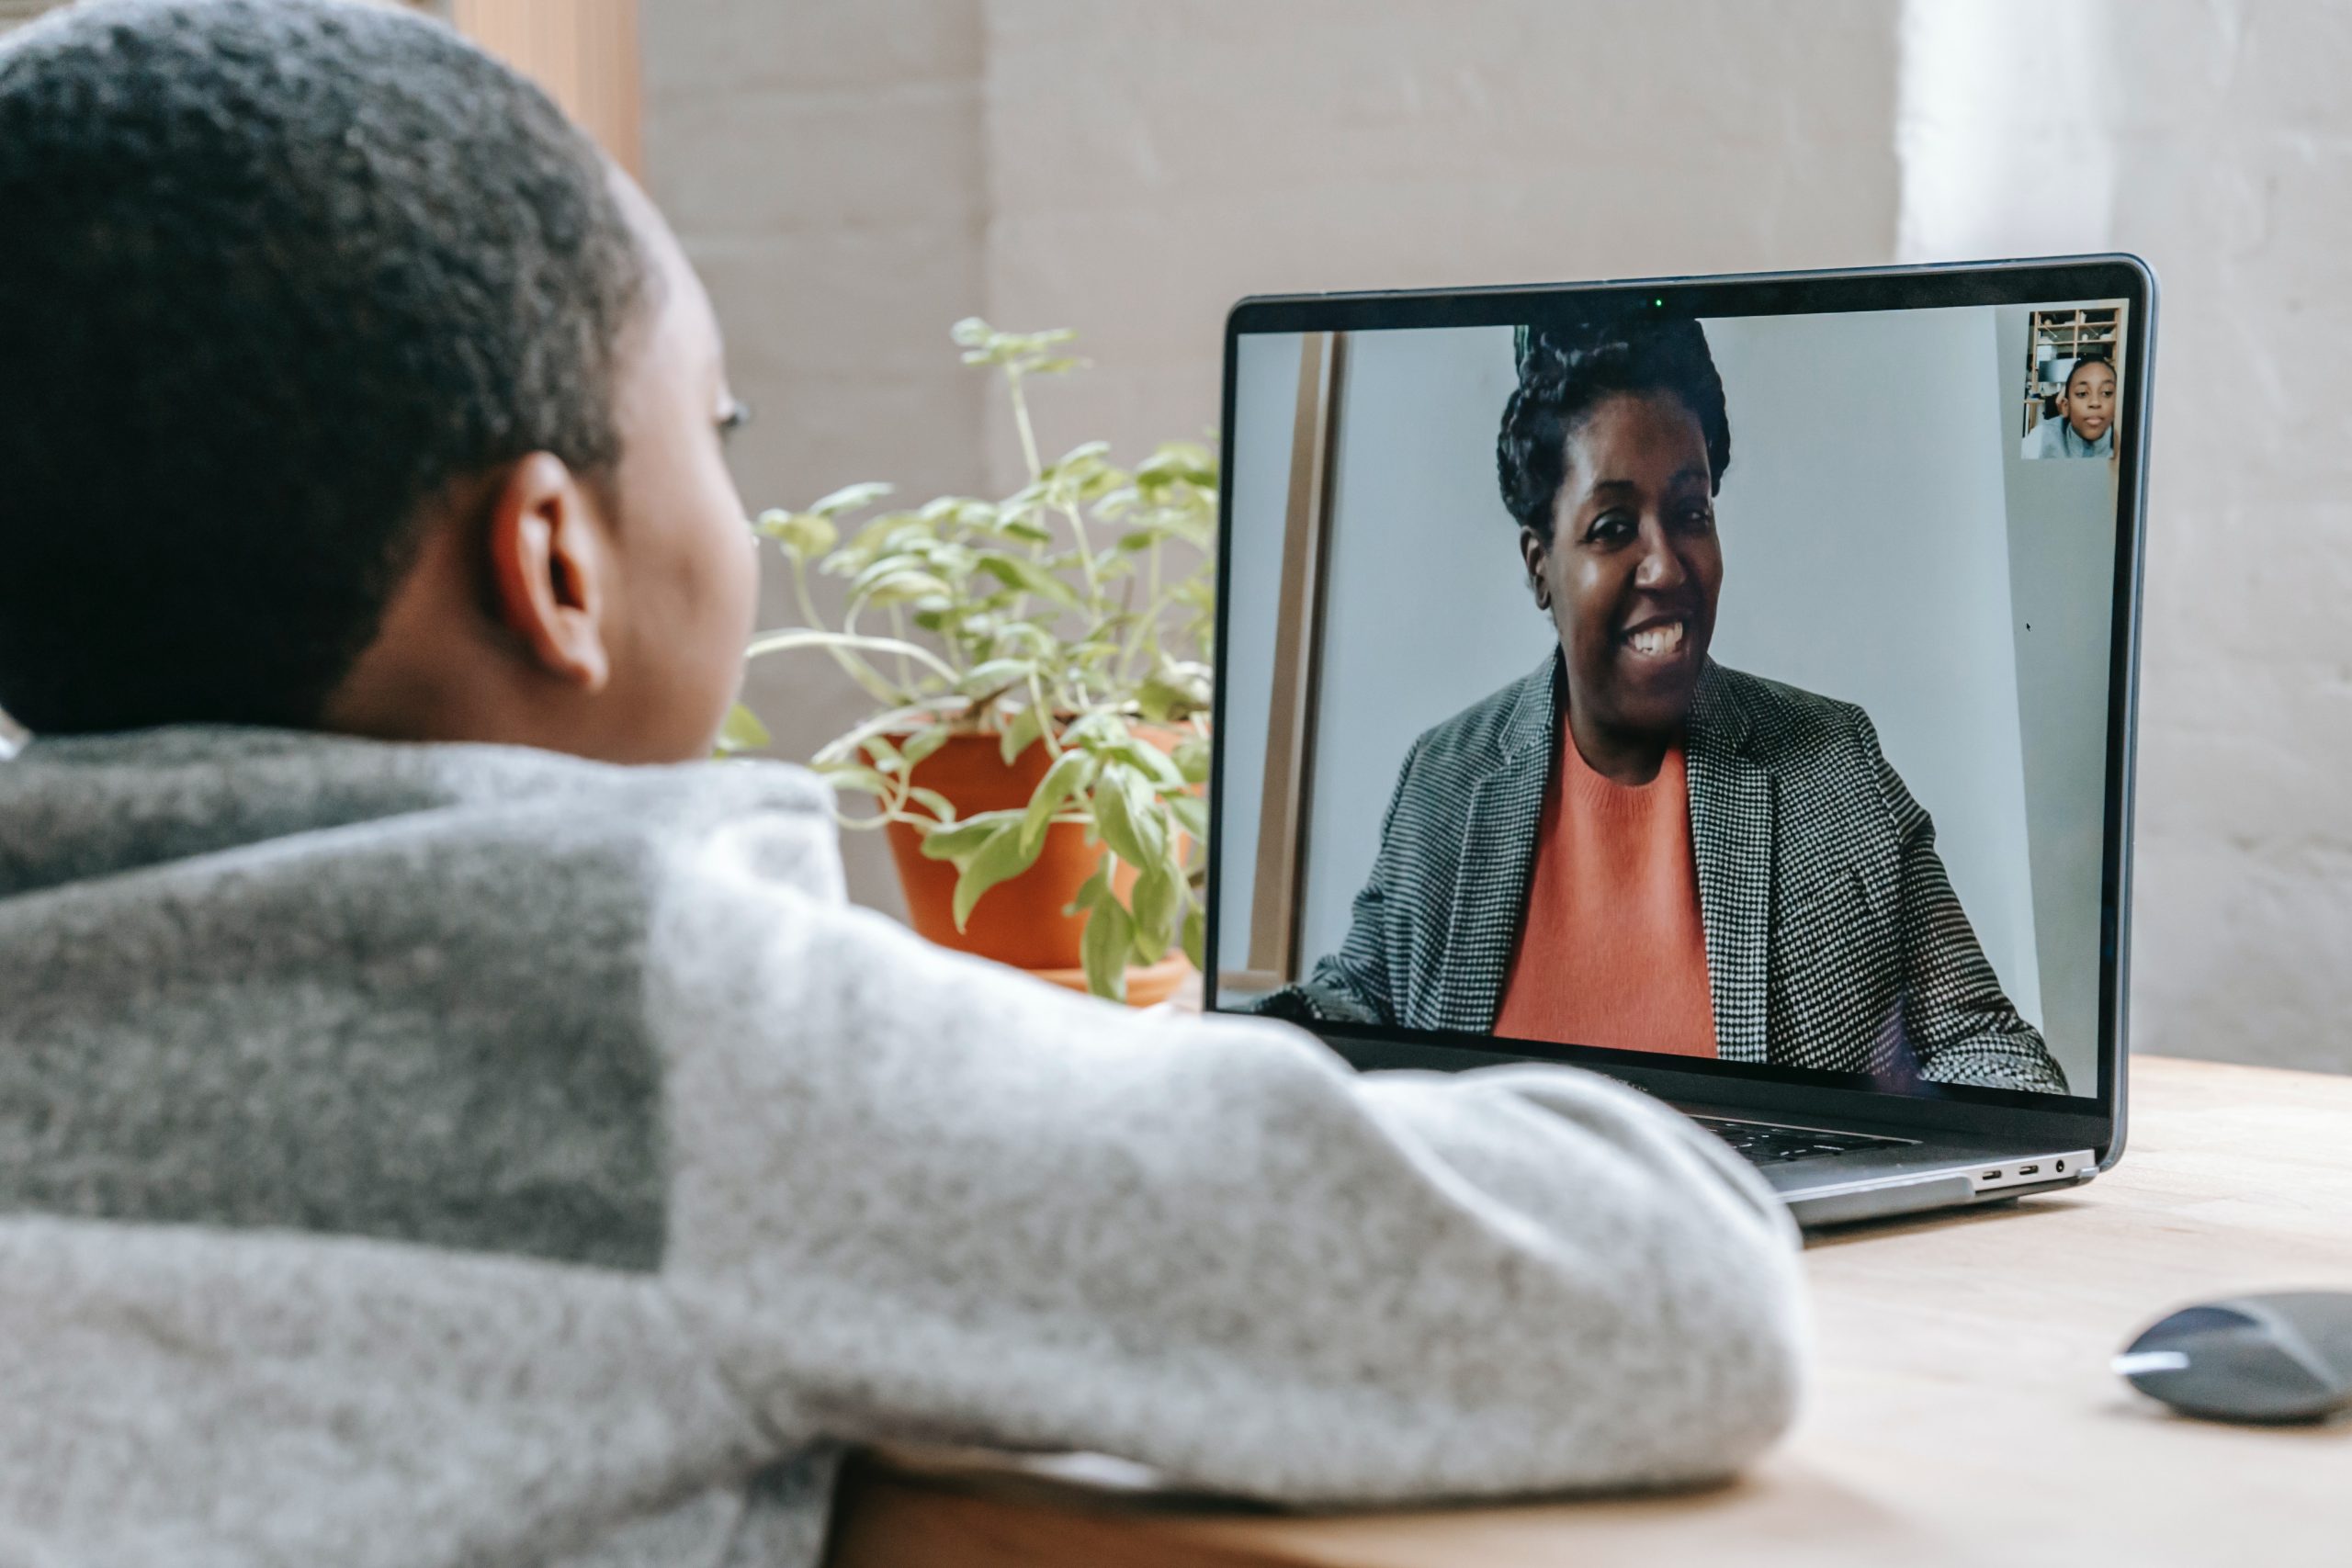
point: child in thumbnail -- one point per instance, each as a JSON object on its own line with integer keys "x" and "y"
{"x": 2085, "y": 425}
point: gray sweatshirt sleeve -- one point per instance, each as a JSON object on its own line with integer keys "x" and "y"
{"x": 916, "y": 1196}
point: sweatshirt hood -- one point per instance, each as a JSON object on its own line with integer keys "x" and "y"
{"x": 83, "y": 807}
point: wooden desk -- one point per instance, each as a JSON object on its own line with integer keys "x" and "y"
{"x": 1962, "y": 1411}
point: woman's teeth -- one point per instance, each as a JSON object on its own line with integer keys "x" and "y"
{"x": 1658, "y": 639}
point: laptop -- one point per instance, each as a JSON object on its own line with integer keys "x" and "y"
{"x": 1726, "y": 684}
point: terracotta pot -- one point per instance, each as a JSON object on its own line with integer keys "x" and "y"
{"x": 1148, "y": 985}
{"x": 1019, "y": 921}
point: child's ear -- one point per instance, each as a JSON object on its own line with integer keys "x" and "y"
{"x": 549, "y": 569}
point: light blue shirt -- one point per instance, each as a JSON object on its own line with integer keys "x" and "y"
{"x": 2053, "y": 438}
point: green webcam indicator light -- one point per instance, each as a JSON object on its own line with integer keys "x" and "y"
{"x": 1659, "y": 303}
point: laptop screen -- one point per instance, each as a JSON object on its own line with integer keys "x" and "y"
{"x": 1727, "y": 688}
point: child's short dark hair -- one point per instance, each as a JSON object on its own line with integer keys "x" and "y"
{"x": 275, "y": 273}
{"x": 2090, "y": 356}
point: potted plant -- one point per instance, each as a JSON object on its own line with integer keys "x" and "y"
{"x": 1040, "y": 727}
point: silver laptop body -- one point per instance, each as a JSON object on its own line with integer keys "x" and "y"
{"x": 1856, "y": 554}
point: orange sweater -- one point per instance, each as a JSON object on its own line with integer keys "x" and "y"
{"x": 1612, "y": 952}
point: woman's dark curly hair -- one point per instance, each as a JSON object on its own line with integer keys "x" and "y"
{"x": 1567, "y": 369}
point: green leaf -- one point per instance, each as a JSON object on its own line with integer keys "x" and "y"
{"x": 1100, "y": 730}
{"x": 849, "y": 497}
{"x": 1128, "y": 817}
{"x": 1151, "y": 762}
{"x": 1034, "y": 641}
{"x": 946, "y": 558}
{"x": 1068, "y": 774}
{"x": 922, "y": 743}
{"x": 995, "y": 674}
{"x": 1191, "y": 759}
{"x": 1186, "y": 459}
{"x": 743, "y": 731}
{"x": 1196, "y": 936}
{"x": 904, "y": 587}
{"x": 963, "y": 511}
{"x": 1192, "y": 814}
{"x": 887, "y": 534}
{"x": 1091, "y": 890}
{"x": 1001, "y": 857}
{"x": 854, "y": 778}
{"x": 1156, "y": 901}
{"x": 913, "y": 717}
{"x": 1021, "y": 732}
{"x": 964, "y": 839}
{"x": 802, "y": 533}
{"x": 931, "y": 800}
{"x": 1109, "y": 937}
{"x": 1168, "y": 694}
{"x": 1084, "y": 454}
{"x": 1018, "y": 572}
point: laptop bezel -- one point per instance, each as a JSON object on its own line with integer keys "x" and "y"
{"x": 1993, "y": 1115}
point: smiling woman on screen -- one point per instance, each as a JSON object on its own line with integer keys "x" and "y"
{"x": 1633, "y": 847}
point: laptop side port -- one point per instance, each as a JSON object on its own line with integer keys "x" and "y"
{"x": 2031, "y": 1173}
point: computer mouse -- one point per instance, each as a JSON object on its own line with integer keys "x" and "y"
{"x": 2283, "y": 1357}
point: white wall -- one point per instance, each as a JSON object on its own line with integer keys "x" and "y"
{"x": 881, "y": 168}
{"x": 2220, "y": 138}
{"x": 825, "y": 168}
{"x": 852, "y": 178}
{"x": 1151, "y": 164}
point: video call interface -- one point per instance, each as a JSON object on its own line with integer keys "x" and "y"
{"x": 1725, "y": 689}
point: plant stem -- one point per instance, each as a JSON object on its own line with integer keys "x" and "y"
{"x": 900, "y": 646}
{"x": 1085, "y": 559}
{"x": 1151, "y": 621}
{"x": 784, "y": 641}
{"x": 1044, "y": 718}
{"x": 1136, "y": 635}
{"x": 1030, "y": 455}
{"x": 1020, "y": 423}
{"x": 899, "y": 630}
{"x": 869, "y": 680}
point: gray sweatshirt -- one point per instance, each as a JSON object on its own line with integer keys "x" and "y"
{"x": 462, "y": 1155}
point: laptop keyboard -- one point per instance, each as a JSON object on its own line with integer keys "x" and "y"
{"x": 1764, "y": 1144}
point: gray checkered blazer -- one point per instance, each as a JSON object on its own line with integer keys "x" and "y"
{"x": 1833, "y": 939}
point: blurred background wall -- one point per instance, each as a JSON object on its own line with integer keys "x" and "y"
{"x": 853, "y": 175}
{"x": 856, "y": 176}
